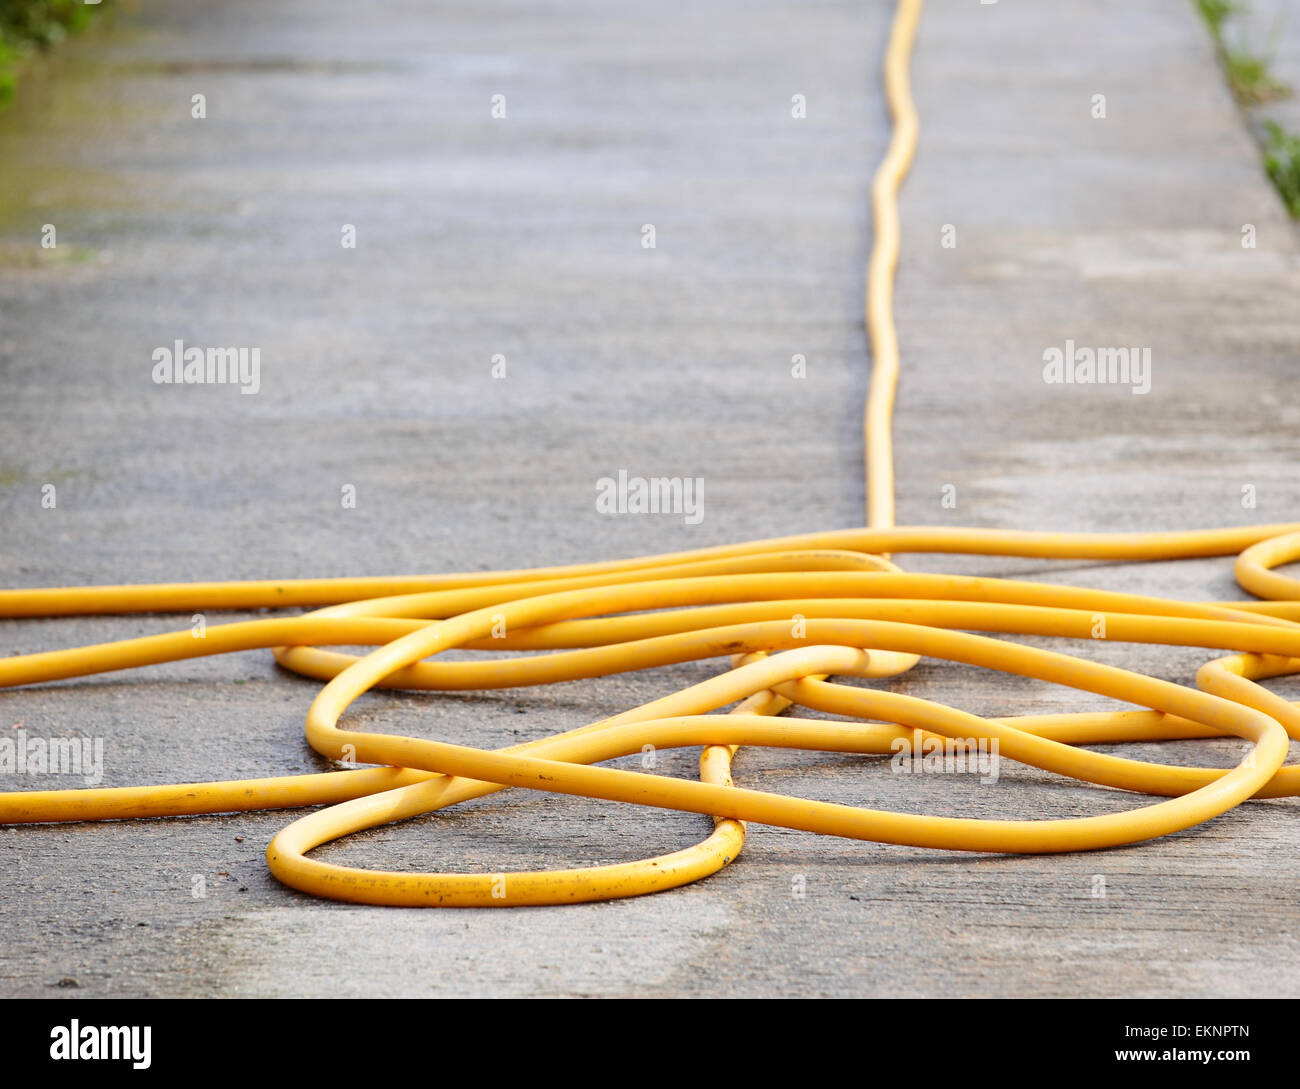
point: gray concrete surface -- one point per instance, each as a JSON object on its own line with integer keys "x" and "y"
{"x": 522, "y": 237}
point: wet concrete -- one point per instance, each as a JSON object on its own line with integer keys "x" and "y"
{"x": 522, "y": 237}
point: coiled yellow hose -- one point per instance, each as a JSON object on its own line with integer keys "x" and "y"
{"x": 788, "y": 612}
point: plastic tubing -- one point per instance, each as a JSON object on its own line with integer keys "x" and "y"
{"x": 787, "y": 614}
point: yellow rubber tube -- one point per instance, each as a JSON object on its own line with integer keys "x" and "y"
{"x": 787, "y": 612}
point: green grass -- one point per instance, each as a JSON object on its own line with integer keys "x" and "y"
{"x": 1250, "y": 76}
{"x": 1250, "y": 79}
{"x": 1252, "y": 83}
{"x": 1282, "y": 161}
{"x": 28, "y": 27}
{"x": 1215, "y": 12}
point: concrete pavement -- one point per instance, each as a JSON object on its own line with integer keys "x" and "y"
{"x": 522, "y": 237}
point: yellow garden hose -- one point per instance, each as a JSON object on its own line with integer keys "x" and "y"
{"x": 788, "y": 613}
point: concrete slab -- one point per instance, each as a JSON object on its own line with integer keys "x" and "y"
{"x": 522, "y": 237}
